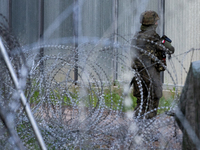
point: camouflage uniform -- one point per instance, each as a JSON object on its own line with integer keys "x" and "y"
{"x": 148, "y": 69}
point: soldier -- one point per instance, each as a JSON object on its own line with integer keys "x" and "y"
{"x": 147, "y": 83}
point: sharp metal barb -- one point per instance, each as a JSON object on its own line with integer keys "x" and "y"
{"x": 22, "y": 96}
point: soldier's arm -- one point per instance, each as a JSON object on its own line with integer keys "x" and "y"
{"x": 169, "y": 46}
{"x": 167, "y": 43}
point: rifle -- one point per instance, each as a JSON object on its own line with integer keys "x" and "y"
{"x": 164, "y": 39}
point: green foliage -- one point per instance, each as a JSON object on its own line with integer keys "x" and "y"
{"x": 35, "y": 98}
{"x": 166, "y": 103}
{"x": 134, "y": 100}
{"x": 112, "y": 99}
{"x": 27, "y": 138}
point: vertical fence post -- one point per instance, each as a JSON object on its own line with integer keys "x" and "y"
{"x": 115, "y": 51}
{"x": 76, "y": 21}
{"x": 41, "y": 32}
{"x": 10, "y": 14}
{"x": 162, "y": 10}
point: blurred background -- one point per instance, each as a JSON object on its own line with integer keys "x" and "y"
{"x": 79, "y": 21}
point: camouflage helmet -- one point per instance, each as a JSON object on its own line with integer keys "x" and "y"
{"x": 149, "y": 17}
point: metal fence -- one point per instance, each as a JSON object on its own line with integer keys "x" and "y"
{"x": 82, "y": 21}
{"x": 182, "y": 26}
{"x": 78, "y": 22}
{"x": 73, "y": 50}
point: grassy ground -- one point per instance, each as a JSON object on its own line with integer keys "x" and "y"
{"x": 109, "y": 98}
